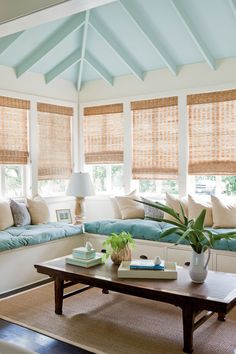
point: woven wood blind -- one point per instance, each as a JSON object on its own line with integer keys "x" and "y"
{"x": 54, "y": 132}
{"x": 212, "y": 133}
{"x": 104, "y": 134}
{"x": 14, "y": 131}
{"x": 155, "y": 138}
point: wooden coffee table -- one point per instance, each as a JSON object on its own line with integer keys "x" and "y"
{"x": 217, "y": 294}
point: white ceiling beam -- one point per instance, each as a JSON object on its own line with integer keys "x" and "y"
{"x": 7, "y": 41}
{"x": 84, "y": 42}
{"x": 232, "y": 4}
{"x": 144, "y": 27}
{"x": 66, "y": 8}
{"x": 92, "y": 61}
{"x": 117, "y": 47}
{"x": 71, "y": 25}
{"x": 194, "y": 34}
{"x": 65, "y": 64}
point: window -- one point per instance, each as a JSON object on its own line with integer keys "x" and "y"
{"x": 155, "y": 145}
{"x": 104, "y": 146}
{"x": 207, "y": 185}
{"x": 212, "y": 133}
{"x": 54, "y": 161}
{"x": 14, "y": 151}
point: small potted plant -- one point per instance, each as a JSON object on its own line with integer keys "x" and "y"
{"x": 199, "y": 238}
{"x": 118, "y": 246}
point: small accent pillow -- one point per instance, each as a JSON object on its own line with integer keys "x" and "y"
{"x": 151, "y": 212}
{"x": 6, "y": 218}
{"x": 38, "y": 210}
{"x": 130, "y": 209}
{"x": 20, "y": 213}
{"x": 224, "y": 213}
{"x": 195, "y": 207}
{"x": 174, "y": 203}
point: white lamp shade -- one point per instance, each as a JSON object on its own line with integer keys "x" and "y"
{"x": 80, "y": 185}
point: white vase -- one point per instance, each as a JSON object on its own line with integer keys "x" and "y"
{"x": 199, "y": 266}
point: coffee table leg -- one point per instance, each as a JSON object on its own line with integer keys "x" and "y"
{"x": 188, "y": 327}
{"x": 58, "y": 289}
{"x": 221, "y": 316}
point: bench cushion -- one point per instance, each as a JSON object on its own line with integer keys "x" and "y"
{"x": 15, "y": 237}
{"x": 150, "y": 230}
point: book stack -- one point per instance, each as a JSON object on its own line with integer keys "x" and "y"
{"x": 85, "y": 256}
{"x": 146, "y": 264}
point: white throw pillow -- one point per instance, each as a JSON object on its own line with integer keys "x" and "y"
{"x": 38, "y": 210}
{"x": 130, "y": 209}
{"x": 195, "y": 207}
{"x": 174, "y": 203}
{"x": 6, "y": 218}
{"x": 224, "y": 213}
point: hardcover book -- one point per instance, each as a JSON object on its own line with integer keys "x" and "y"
{"x": 146, "y": 264}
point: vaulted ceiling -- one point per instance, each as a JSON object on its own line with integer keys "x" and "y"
{"x": 125, "y": 37}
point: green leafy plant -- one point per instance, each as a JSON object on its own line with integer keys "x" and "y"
{"x": 192, "y": 230}
{"x": 116, "y": 242}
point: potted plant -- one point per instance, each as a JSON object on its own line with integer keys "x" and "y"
{"x": 192, "y": 230}
{"x": 118, "y": 246}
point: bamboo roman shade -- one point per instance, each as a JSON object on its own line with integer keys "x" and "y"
{"x": 104, "y": 134}
{"x": 54, "y": 134}
{"x": 212, "y": 133}
{"x": 14, "y": 131}
{"x": 155, "y": 138}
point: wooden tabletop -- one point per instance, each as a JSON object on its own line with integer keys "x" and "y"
{"x": 218, "y": 286}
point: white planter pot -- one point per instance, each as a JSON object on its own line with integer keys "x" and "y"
{"x": 199, "y": 266}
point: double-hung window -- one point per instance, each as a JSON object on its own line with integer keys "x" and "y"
{"x": 14, "y": 150}
{"x": 103, "y": 131}
{"x": 155, "y": 145}
{"x": 212, "y": 142}
{"x": 54, "y": 144}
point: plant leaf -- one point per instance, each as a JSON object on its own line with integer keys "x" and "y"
{"x": 199, "y": 222}
{"x": 169, "y": 231}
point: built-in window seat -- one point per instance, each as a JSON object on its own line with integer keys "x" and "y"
{"x": 147, "y": 234}
{"x": 22, "y": 247}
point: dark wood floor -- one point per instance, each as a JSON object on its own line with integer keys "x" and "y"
{"x": 37, "y": 342}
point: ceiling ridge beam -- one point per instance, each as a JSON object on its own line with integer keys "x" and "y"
{"x": 112, "y": 41}
{"x": 232, "y": 4}
{"x": 194, "y": 34}
{"x": 92, "y": 61}
{"x": 150, "y": 36}
{"x": 65, "y": 64}
{"x": 84, "y": 42}
{"x": 73, "y": 23}
{"x": 7, "y": 41}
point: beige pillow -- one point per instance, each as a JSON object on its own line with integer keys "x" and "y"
{"x": 130, "y": 209}
{"x": 195, "y": 207}
{"x": 224, "y": 213}
{"x": 6, "y": 218}
{"x": 38, "y": 210}
{"x": 174, "y": 203}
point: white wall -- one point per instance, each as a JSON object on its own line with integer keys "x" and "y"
{"x": 193, "y": 77}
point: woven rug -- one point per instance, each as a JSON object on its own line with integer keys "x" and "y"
{"x": 115, "y": 323}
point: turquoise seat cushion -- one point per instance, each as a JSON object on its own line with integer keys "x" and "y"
{"x": 149, "y": 230}
{"x": 15, "y": 237}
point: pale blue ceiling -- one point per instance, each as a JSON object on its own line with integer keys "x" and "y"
{"x": 125, "y": 37}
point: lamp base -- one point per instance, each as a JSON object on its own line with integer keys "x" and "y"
{"x": 79, "y": 211}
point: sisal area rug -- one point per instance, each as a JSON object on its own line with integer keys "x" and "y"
{"x": 115, "y": 323}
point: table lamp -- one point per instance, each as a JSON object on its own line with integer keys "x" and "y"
{"x": 80, "y": 186}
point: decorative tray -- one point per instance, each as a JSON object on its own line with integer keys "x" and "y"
{"x": 169, "y": 272}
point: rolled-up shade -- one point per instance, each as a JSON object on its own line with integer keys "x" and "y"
{"x": 155, "y": 138}
{"x": 212, "y": 133}
{"x": 103, "y": 128}
{"x": 54, "y": 134}
{"x": 14, "y": 131}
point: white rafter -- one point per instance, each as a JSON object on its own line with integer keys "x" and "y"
{"x": 84, "y": 42}
{"x": 92, "y": 61}
{"x": 147, "y": 31}
{"x": 73, "y": 24}
{"x": 232, "y": 4}
{"x": 194, "y": 34}
{"x": 117, "y": 47}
